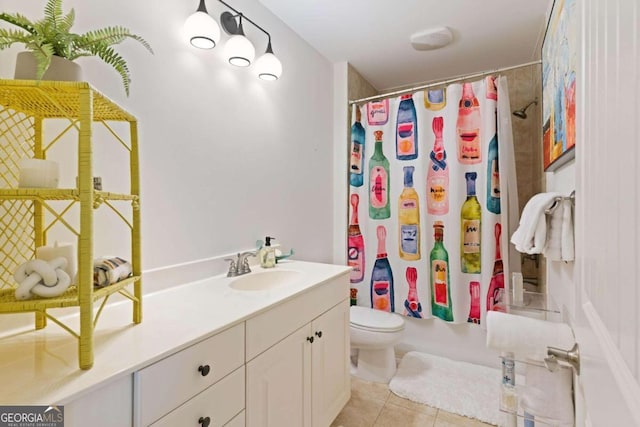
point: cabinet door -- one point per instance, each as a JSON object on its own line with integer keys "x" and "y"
{"x": 279, "y": 383}
{"x": 331, "y": 383}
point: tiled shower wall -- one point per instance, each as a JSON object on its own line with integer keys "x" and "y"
{"x": 524, "y": 87}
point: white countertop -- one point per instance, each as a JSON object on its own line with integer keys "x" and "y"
{"x": 41, "y": 367}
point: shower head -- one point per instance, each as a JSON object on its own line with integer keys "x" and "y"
{"x": 522, "y": 113}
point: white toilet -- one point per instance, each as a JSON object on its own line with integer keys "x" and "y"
{"x": 373, "y": 335}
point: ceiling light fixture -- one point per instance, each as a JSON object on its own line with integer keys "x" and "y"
{"x": 433, "y": 38}
{"x": 239, "y": 50}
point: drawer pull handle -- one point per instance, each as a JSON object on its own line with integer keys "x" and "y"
{"x": 319, "y": 334}
{"x": 204, "y": 370}
{"x": 310, "y": 339}
{"x": 204, "y": 421}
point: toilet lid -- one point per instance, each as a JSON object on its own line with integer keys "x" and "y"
{"x": 375, "y": 320}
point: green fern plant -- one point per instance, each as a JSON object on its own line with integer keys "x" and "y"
{"x": 52, "y": 36}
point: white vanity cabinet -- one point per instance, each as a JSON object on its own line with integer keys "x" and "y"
{"x": 297, "y": 359}
{"x": 221, "y": 357}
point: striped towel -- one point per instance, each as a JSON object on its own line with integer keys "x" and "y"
{"x": 107, "y": 271}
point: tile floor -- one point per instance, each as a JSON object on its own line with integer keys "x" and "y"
{"x": 374, "y": 405}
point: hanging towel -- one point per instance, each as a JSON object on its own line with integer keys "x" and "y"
{"x": 107, "y": 271}
{"x": 547, "y": 395}
{"x": 531, "y": 235}
{"x": 559, "y": 246}
{"x": 553, "y": 247}
{"x": 567, "y": 243}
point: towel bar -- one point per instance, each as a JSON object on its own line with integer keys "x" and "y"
{"x": 557, "y": 200}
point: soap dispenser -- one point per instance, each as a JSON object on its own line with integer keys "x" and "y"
{"x": 268, "y": 254}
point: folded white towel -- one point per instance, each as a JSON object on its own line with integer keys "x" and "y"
{"x": 567, "y": 243}
{"x": 531, "y": 235}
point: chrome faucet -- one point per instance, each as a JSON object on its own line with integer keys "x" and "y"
{"x": 243, "y": 262}
{"x": 239, "y": 266}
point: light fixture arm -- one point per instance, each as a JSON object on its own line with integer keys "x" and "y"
{"x": 269, "y": 48}
{"x": 224, "y": 21}
{"x": 202, "y": 7}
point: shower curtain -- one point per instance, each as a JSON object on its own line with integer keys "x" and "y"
{"x": 427, "y": 202}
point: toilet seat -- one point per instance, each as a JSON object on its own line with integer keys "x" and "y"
{"x": 374, "y": 320}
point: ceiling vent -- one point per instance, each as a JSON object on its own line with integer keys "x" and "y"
{"x": 433, "y": 38}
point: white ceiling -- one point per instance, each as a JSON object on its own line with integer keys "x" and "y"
{"x": 373, "y": 35}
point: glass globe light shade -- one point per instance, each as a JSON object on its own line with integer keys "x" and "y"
{"x": 269, "y": 67}
{"x": 202, "y": 30}
{"x": 239, "y": 51}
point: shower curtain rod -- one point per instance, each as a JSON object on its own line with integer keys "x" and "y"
{"x": 443, "y": 82}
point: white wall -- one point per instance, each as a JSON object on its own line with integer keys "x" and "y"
{"x": 341, "y": 127}
{"x": 226, "y": 158}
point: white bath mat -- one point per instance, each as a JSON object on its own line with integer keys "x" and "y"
{"x": 458, "y": 387}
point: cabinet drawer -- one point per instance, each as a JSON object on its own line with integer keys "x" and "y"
{"x": 268, "y": 328}
{"x": 170, "y": 382}
{"x": 220, "y": 403}
{"x": 237, "y": 421}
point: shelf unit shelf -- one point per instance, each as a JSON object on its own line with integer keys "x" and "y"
{"x": 534, "y": 302}
{"x": 60, "y": 194}
{"x": 28, "y": 214}
{"x": 70, "y": 298}
{"x": 538, "y": 420}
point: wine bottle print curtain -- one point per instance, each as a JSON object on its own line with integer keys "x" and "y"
{"x": 426, "y": 202}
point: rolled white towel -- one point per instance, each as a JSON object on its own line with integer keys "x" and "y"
{"x": 107, "y": 271}
{"x": 531, "y": 235}
{"x": 524, "y": 336}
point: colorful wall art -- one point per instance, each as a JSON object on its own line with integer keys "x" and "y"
{"x": 559, "y": 64}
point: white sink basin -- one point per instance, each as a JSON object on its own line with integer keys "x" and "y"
{"x": 264, "y": 280}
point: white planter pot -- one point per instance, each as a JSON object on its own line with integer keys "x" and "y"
{"x": 60, "y": 69}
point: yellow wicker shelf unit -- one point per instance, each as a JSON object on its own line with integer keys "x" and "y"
{"x": 27, "y": 215}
